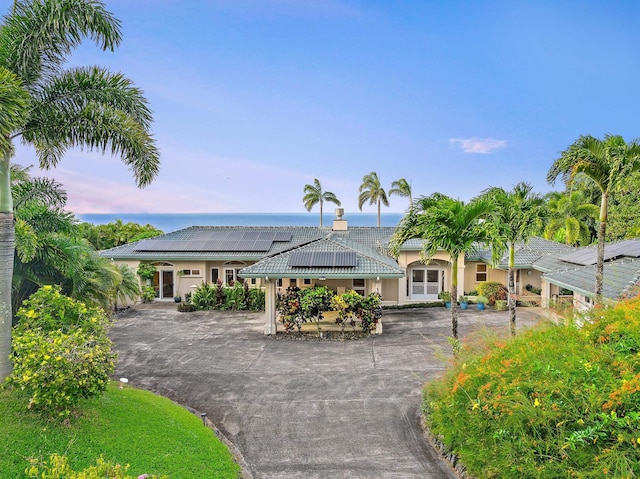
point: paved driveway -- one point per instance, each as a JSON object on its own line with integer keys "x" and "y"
{"x": 300, "y": 409}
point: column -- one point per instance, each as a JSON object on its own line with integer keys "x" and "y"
{"x": 270, "y": 307}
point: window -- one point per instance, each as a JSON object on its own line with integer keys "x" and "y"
{"x": 253, "y": 281}
{"x": 189, "y": 272}
{"x": 307, "y": 281}
{"x": 358, "y": 286}
{"x": 293, "y": 282}
{"x": 279, "y": 283}
{"x": 481, "y": 272}
{"x": 215, "y": 274}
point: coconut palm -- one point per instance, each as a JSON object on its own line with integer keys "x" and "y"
{"x": 371, "y": 190}
{"x": 517, "y": 217}
{"x": 569, "y": 218}
{"x": 607, "y": 163}
{"x": 401, "y": 187}
{"x": 313, "y": 194}
{"x": 449, "y": 225}
{"x": 55, "y": 109}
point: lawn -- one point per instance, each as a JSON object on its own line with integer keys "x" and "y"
{"x": 126, "y": 426}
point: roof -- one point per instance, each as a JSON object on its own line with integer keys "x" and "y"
{"x": 620, "y": 276}
{"x": 369, "y": 262}
{"x": 534, "y": 254}
{"x": 588, "y": 256}
{"x": 205, "y": 243}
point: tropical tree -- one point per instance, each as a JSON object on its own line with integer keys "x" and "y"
{"x": 116, "y": 233}
{"x": 401, "y": 187}
{"x": 371, "y": 190}
{"x": 517, "y": 217}
{"x": 449, "y": 225}
{"x": 569, "y": 218}
{"x": 607, "y": 163}
{"x": 313, "y": 194}
{"x": 54, "y": 109}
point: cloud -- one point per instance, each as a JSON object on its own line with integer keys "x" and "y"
{"x": 479, "y": 145}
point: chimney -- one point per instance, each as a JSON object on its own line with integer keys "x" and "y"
{"x": 339, "y": 224}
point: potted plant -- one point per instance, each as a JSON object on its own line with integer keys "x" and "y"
{"x": 445, "y": 296}
{"x": 464, "y": 302}
{"x": 481, "y": 301}
{"x": 177, "y": 299}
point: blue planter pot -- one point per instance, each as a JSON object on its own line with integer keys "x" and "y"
{"x": 464, "y": 305}
{"x": 448, "y": 304}
{"x": 480, "y": 306}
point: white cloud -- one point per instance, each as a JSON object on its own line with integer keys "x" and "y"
{"x": 479, "y": 145}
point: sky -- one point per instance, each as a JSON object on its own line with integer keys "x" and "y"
{"x": 253, "y": 99}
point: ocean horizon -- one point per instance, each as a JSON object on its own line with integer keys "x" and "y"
{"x": 169, "y": 222}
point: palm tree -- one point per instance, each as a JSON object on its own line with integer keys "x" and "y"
{"x": 607, "y": 163}
{"x": 449, "y": 225}
{"x": 55, "y": 109}
{"x": 401, "y": 187}
{"x": 570, "y": 216}
{"x": 371, "y": 190}
{"x": 313, "y": 194}
{"x": 517, "y": 217}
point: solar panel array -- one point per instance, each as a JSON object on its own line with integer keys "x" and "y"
{"x": 323, "y": 259}
{"x": 230, "y": 241}
{"x": 629, "y": 248}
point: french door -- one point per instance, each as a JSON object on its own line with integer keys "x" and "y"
{"x": 163, "y": 283}
{"x": 425, "y": 283}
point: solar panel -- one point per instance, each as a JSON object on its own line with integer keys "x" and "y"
{"x": 218, "y": 240}
{"x": 282, "y": 236}
{"x": 323, "y": 259}
{"x": 588, "y": 256}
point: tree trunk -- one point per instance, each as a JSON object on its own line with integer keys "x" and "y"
{"x": 512, "y": 291}
{"x": 454, "y": 297}
{"x": 7, "y": 246}
{"x": 320, "y": 213}
{"x": 378, "y": 213}
{"x": 601, "y": 239}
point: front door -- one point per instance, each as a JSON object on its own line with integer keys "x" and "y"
{"x": 425, "y": 283}
{"x": 163, "y": 283}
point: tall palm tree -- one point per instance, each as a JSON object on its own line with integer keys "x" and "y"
{"x": 65, "y": 108}
{"x": 313, "y": 194}
{"x": 607, "y": 163}
{"x": 569, "y": 218}
{"x": 517, "y": 217}
{"x": 449, "y": 225}
{"x": 401, "y": 187}
{"x": 371, "y": 190}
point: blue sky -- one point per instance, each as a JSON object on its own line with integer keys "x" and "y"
{"x": 253, "y": 99}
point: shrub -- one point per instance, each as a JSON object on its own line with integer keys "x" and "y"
{"x": 532, "y": 289}
{"x": 288, "y": 308}
{"x": 204, "y": 297}
{"x": 146, "y": 271}
{"x": 148, "y": 294}
{"x": 351, "y": 307}
{"x": 61, "y": 352}
{"x": 557, "y": 401}
{"x": 57, "y": 467}
{"x": 314, "y": 302}
{"x": 187, "y": 307}
{"x": 493, "y": 290}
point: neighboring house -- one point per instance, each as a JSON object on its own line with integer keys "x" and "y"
{"x": 344, "y": 258}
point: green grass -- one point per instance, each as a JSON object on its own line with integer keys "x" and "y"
{"x": 126, "y": 426}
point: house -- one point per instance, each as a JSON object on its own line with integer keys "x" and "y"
{"x": 342, "y": 258}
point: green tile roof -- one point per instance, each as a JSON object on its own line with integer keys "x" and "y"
{"x": 370, "y": 262}
{"x": 620, "y": 277}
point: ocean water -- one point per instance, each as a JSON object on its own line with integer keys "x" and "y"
{"x": 168, "y": 222}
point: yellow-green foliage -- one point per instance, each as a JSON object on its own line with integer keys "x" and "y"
{"x": 61, "y": 352}
{"x": 57, "y": 467}
{"x": 492, "y": 290}
{"x": 557, "y": 401}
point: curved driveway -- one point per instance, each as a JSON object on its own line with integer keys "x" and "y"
{"x": 300, "y": 409}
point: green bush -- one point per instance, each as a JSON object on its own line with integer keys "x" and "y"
{"x": 351, "y": 307}
{"x": 146, "y": 271}
{"x": 493, "y": 291}
{"x": 61, "y": 352}
{"x": 57, "y": 467}
{"x": 556, "y": 401}
{"x": 204, "y": 297}
{"x": 148, "y": 294}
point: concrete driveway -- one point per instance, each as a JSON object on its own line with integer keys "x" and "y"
{"x": 301, "y": 409}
